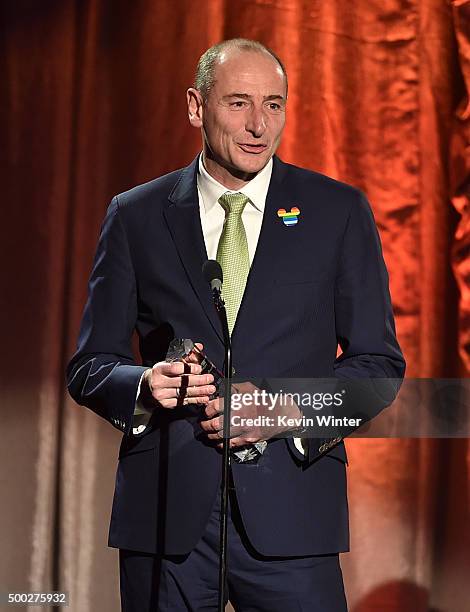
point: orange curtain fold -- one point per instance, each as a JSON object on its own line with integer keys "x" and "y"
{"x": 460, "y": 177}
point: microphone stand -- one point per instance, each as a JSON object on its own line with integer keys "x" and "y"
{"x": 220, "y": 307}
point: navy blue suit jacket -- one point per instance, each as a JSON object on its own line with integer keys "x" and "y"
{"x": 311, "y": 286}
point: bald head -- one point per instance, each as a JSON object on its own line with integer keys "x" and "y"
{"x": 208, "y": 62}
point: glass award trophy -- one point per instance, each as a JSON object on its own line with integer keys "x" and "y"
{"x": 180, "y": 349}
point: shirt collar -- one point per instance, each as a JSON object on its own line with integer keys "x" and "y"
{"x": 256, "y": 189}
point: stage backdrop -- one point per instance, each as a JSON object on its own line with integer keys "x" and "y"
{"x": 93, "y": 102}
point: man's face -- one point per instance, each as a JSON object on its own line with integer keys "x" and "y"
{"x": 243, "y": 118}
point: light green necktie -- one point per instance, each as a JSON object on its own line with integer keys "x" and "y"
{"x": 233, "y": 255}
{"x": 234, "y": 258}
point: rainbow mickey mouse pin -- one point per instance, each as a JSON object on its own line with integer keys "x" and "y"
{"x": 291, "y": 217}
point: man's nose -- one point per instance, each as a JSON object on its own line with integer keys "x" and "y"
{"x": 256, "y": 122}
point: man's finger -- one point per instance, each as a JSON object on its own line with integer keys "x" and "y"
{"x": 195, "y": 356}
{"x": 213, "y": 426}
{"x": 178, "y": 402}
{"x": 196, "y": 391}
{"x": 242, "y": 441}
{"x": 189, "y": 380}
{"x": 236, "y": 442}
{"x": 238, "y": 435}
{"x": 180, "y": 393}
{"x": 214, "y": 408}
{"x": 177, "y": 368}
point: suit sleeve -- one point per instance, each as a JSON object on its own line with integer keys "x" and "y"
{"x": 102, "y": 374}
{"x": 365, "y": 327}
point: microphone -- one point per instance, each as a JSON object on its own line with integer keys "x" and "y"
{"x": 213, "y": 274}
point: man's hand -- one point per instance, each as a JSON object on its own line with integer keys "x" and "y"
{"x": 241, "y": 433}
{"x": 171, "y": 385}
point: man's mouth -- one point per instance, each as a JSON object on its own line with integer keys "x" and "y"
{"x": 252, "y": 148}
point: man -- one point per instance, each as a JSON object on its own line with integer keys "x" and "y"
{"x": 293, "y": 292}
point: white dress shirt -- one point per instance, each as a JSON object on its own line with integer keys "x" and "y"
{"x": 213, "y": 215}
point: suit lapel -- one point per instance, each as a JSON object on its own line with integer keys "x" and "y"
{"x": 182, "y": 216}
{"x": 268, "y": 254}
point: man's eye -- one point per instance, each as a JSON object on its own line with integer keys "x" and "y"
{"x": 238, "y": 104}
{"x": 274, "y": 106}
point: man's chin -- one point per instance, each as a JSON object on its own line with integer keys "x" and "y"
{"x": 252, "y": 165}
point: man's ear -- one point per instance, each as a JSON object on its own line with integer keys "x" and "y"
{"x": 194, "y": 99}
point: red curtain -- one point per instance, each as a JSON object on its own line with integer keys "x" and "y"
{"x": 93, "y": 102}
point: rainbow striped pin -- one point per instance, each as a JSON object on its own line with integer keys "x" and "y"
{"x": 291, "y": 217}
